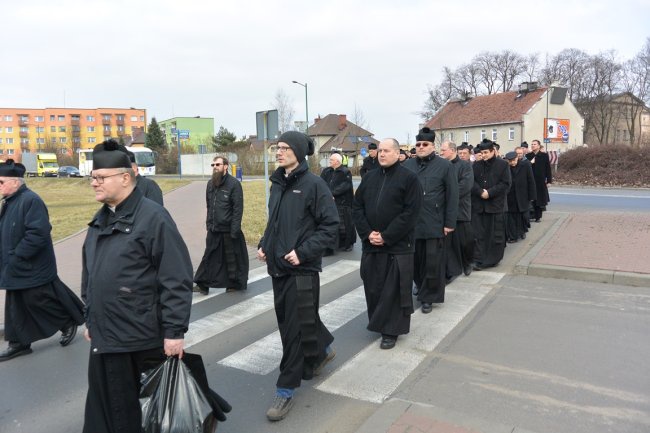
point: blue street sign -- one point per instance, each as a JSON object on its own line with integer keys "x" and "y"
{"x": 364, "y": 152}
{"x": 183, "y": 133}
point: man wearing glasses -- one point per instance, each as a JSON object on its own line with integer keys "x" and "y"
{"x": 436, "y": 220}
{"x": 137, "y": 285}
{"x": 37, "y": 303}
{"x": 225, "y": 261}
{"x": 303, "y": 222}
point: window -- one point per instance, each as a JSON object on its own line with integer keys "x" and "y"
{"x": 24, "y": 118}
{"x": 75, "y": 117}
{"x": 442, "y": 137}
{"x": 40, "y": 129}
{"x": 76, "y": 128}
{"x": 120, "y": 117}
{"x": 466, "y": 140}
{"x": 62, "y": 139}
{"x": 11, "y": 152}
{"x": 53, "y": 140}
{"x": 61, "y": 118}
{"x": 10, "y": 140}
{"x": 91, "y": 139}
{"x": 494, "y": 134}
{"x": 511, "y": 134}
{"x": 38, "y": 118}
{"x": 24, "y": 129}
{"x": 0, "y": 140}
{"x": 134, "y": 118}
{"x": 76, "y": 140}
{"x": 9, "y": 129}
{"x": 90, "y": 118}
{"x": 52, "y": 128}
{"x": 451, "y": 136}
{"x": 52, "y": 117}
{"x": 107, "y": 128}
{"x": 120, "y": 128}
{"x": 63, "y": 151}
{"x": 106, "y": 117}
{"x": 61, "y": 128}
{"x": 8, "y": 118}
{"x": 483, "y": 135}
{"x": 90, "y": 129}
{"x": 24, "y": 141}
{"x": 40, "y": 140}
{"x": 141, "y": 118}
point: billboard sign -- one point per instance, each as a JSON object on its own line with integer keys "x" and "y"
{"x": 556, "y": 130}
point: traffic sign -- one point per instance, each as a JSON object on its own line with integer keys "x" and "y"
{"x": 364, "y": 152}
{"x": 183, "y": 133}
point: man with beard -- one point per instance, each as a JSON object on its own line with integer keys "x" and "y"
{"x": 303, "y": 222}
{"x": 370, "y": 161}
{"x": 491, "y": 185}
{"x": 521, "y": 193}
{"x": 148, "y": 187}
{"x": 543, "y": 176}
{"x": 225, "y": 260}
{"x": 385, "y": 210}
{"x": 136, "y": 282}
{"x": 460, "y": 248}
{"x": 37, "y": 303}
{"x": 339, "y": 180}
{"x": 436, "y": 221}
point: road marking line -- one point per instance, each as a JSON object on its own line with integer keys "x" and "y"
{"x": 216, "y": 323}
{"x": 598, "y": 195}
{"x": 374, "y": 374}
{"x": 256, "y": 274}
{"x": 264, "y": 355}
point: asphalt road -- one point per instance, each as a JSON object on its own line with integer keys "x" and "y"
{"x": 567, "y": 199}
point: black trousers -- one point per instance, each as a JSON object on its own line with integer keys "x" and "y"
{"x": 460, "y": 248}
{"x": 224, "y": 262}
{"x": 304, "y": 337}
{"x": 112, "y": 402}
{"x": 490, "y": 232}
{"x": 430, "y": 268}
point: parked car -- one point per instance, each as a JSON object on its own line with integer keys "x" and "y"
{"x": 69, "y": 171}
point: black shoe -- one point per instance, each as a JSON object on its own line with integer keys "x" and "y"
{"x": 67, "y": 335}
{"x": 511, "y": 241}
{"x": 201, "y": 289}
{"x": 14, "y": 350}
{"x": 426, "y": 308}
{"x": 450, "y": 279}
{"x": 387, "y": 341}
{"x": 467, "y": 270}
{"x": 537, "y": 220}
{"x": 523, "y": 236}
{"x": 231, "y": 289}
{"x": 280, "y": 408}
{"x": 348, "y": 249}
{"x": 477, "y": 267}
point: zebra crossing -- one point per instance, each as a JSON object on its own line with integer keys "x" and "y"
{"x": 372, "y": 374}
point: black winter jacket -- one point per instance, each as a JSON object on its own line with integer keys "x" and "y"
{"x": 465, "y": 182}
{"x": 543, "y": 175}
{"x": 440, "y": 195}
{"x": 136, "y": 277}
{"x": 369, "y": 164}
{"x": 25, "y": 242}
{"x": 388, "y": 200}
{"x": 494, "y": 176}
{"x": 225, "y": 206}
{"x": 149, "y": 189}
{"x": 522, "y": 191}
{"x": 339, "y": 182}
{"x": 302, "y": 217}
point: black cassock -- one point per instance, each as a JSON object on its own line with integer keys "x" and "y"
{"x": 460, "y": 248}
{"x": 224, "y": 263}
{"x": 429, "y": 270}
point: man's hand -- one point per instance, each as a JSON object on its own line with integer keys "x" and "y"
{"x": 87, "y": 334}
{"x": 292, "y": 258}
{"x": 485, "y": 195}
{"x": 260, "y": 255}
{"x": 376, "y": 239}
{"x": 447, "y": 230}
{"x": 174, "y": 347}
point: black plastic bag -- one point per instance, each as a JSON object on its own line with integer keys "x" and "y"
{"x": 175, "y": 398}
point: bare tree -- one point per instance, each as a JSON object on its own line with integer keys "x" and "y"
{"x": 531, "y": 72}
{"x": 358, "y": 118}
{"x": 468, "y": 75}
{"x": 485, "y": 62}
{"x": 509, "y": 66}
{"x": 284, "y": 105}
{"x": 636, "y": 83}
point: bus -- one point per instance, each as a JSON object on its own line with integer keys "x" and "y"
{"x": 144, "y": 157}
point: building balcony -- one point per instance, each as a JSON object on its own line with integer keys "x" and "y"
{"x": 119, "y": 121}
{"x": 120, "y": 133}
{"x": 76, "y": 133}
{"x": 106, "y": 121}
{"x": 75, "y": 122}
{"x": 107, "y": 132}
{"x": 23, "y": 122}
{"x": 23, "y": 134}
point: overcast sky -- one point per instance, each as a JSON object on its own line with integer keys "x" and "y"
{"x": 228, "y": 59}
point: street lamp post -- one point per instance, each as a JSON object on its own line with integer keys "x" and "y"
{"x": 306, "y": 103}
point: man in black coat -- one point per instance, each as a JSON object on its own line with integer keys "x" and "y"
{"x": 149, "y": 188}
{"x": 225, "y": 260}
{"x": 436, "y": 221}
{"x": 303, "y": 222}
{"x": 521, "y": 193}
{"x": 543, "y": 176}
{"x": 339, "y": 180}
{"x": 370, "y": 162}
{"x": 491, "y": 185}
{"x": 386, "y": 208}
{"x": 137, "y": 286}
{"x": 460, "y": 246}
{"x": 37, "y": 302}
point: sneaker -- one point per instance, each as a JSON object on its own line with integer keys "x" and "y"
{"x": 280, "y": 408}
{"x": 330, "y": 355}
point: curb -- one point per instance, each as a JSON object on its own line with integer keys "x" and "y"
{"x": 526, "y": 267}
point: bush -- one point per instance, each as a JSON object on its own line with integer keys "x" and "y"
{"x": 604, "y": 165}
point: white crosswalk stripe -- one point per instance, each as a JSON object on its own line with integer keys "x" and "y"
{"x": 254, "y": 275}
{"x": 216, "y": 323}
{"x": 263, "y": 356}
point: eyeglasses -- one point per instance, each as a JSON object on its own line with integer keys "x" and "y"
{"x": 283, "y": 149}
{"x": 421, "y": 144}
{"x": 100, "y": 179}
{"x": 216, "y": 165}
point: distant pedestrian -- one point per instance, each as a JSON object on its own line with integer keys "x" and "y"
{"x": 521, "y": 193}
{"x": 436, "y": 219}
{"x": 339, "y": 180}
{"x": 543, "y": 176}
{"x": 489, "y": 192}
{"x": 478, "y": 156}
{"x": 460, "y": 245}
{"x": 403, "y": 156}
{"x": 225, "y": 260}
{"x": 148, "y": 187}
{"x": 37, "y": 302}
{"x": 137, "y": 285}
{"x": 303, "y": 222}
{"x": 370, "y": 162}
{"x": 386, "y": 208}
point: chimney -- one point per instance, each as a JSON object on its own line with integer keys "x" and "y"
{"x": 316, "y": 119}
{"x": 343, "y": 122}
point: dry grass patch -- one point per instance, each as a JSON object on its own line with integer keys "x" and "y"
{"x": 254, "y": 219}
